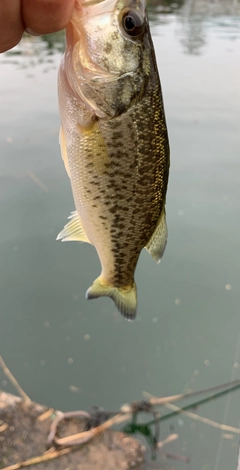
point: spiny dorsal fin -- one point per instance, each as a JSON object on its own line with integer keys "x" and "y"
{"x": 74, "y": 230}
{"x": 158, "y": 240}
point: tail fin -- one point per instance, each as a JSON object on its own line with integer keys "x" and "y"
{"x": 125, "y": 298}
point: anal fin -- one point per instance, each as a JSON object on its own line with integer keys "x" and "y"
{"x": 73, "y": 230}
{"x": 158, "y": 241}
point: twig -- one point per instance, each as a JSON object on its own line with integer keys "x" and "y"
{"x": 46, "y": 414}
{"x": 170, "y": 399}
{"x": 126, "y": 412}
{"x": 223, "y": 427}
{"x": 85, "y": 436}
{"x": 37, "y": 181}
{"x": 170, "y": 438}
{"x": 52, "y": 439}
{"x": 41, "y": 458}
{"x": 3, "y": 427}
{"x": 12, "y": 379}
{"x": 72, "y": 440}
{"x": 182, "y": 458}
{"x": 203, "y": 401}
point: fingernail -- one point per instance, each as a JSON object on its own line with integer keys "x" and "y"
{"x": 30, "y": 31}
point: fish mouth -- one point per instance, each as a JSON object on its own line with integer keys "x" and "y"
{"x": 88, "y": 3}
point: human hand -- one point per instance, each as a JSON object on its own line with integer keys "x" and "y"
{"x": 35, "y": 16}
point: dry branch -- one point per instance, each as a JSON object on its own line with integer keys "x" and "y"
{"x": 210, "y": 422}
{"x": 12, "y": 379}
{"x": 125, "y": 413}
{"x": 85, "y": 436}
{"x": 41, "y": 458}
{"x": 155, "y": 401}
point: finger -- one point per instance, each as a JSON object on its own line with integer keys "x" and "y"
{"x": 11, "y": 25}
{"x": 46, "y": 16}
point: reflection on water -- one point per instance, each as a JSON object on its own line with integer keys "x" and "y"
{"x": 37, "y": 50}
{"x": 192, "y": 35}
{"x": 186, "y": 336}
{"x": 165, "y": 7}
{"x": 195, "y": 17}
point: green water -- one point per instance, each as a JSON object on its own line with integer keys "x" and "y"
{"x": 187, "y": 332}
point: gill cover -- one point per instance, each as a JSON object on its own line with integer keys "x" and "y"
{"x": 107, "y": 54}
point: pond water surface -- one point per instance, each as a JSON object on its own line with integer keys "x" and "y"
{"x": 71, "y": 353}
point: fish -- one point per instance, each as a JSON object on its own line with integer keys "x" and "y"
{"x": 114, "y": 142}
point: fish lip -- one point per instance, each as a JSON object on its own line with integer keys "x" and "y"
{"x": 89, "y": 3}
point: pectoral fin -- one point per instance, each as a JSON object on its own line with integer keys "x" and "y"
{"x": 74, "y": 230}
{"x": 62, "y": 142}
{"x": 91, "y": 136}
{"x": 158, "y": 240}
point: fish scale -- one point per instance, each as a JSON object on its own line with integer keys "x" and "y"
{"x": 114, "y": 144}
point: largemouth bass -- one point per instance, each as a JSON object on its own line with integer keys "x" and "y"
{"x": 114, "y": 142}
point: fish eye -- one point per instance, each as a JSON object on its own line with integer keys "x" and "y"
{"x": 132, "y": 22}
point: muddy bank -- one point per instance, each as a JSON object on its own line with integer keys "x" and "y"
{"x": 24, "y": 429}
